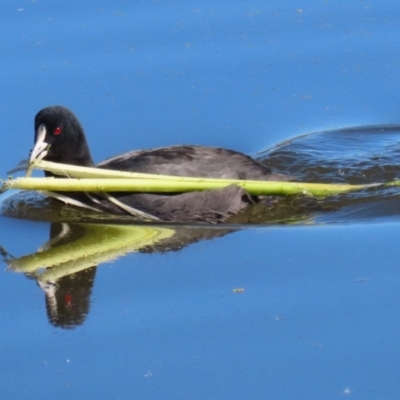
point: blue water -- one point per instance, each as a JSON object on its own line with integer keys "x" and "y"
{"x": 277, "y": 312}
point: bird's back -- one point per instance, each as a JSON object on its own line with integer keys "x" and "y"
{"x": 193, "y": 161}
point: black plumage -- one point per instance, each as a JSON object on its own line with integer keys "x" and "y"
{"x": 59, "y": 137}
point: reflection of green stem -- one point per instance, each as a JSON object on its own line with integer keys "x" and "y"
{"x": 101, "y": 243}
{"x": 102, "y": 180}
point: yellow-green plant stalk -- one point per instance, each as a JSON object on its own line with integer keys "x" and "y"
{"x": 178, "y": 185}
{"x": 102, "y": 180}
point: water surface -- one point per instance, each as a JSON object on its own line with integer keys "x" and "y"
{"x": 263, "y": 312}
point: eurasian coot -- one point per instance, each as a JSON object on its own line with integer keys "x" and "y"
{"x": 59, "y": 137}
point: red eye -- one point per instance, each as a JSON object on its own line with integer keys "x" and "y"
{"x": 57, "y": 131}
{"x": 68, "y": 300}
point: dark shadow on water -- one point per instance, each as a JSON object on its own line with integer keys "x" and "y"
{"x": 351, "y": 155}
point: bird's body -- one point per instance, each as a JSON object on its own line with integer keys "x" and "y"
{"x": 193, "y": 161}
{"x": 59, "y": 137}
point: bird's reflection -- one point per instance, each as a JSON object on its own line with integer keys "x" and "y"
{"x": 65, "y": 266}
{"x": 68, "y": 297}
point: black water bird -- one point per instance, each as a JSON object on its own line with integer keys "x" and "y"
{"x": 60, "y": 138}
